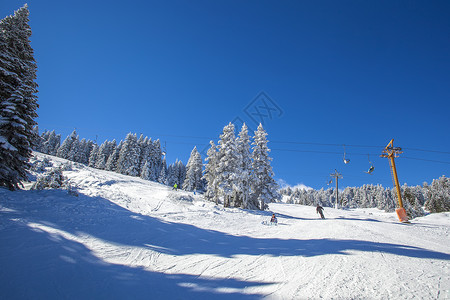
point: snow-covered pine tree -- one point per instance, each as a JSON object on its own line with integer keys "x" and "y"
{"x": 39, "y": 140}
{"x": 147, "y": 161}
{"x": 210, "y": 174}
{"x": 145, "y": 146}
{"x": 52, "y": 143}
{"x": 163, "y": 175}
{"x": 156, "y": 159}
{"x": 111, "y": 164}
{"x": 438, "y": 195}
{"x": 104, "y": 152}
{"x": 102, "y": 155}
{"x": 265, "y": 187}
{"x": 411, "y": 203}
{"x": 180, "y": 172}
{"x": 146, "y": 171}
{"x": 74, "y": 150}
{"x": 93, "y": 156}
{"x": 176, "y": 173}
{"x": 41, "y": 143}
{"x": 228, "y": 164}
{"x": 86, "y": 148}
{"x": 245, "y": 178}
{"x": 66, "y": 146}
{"x": 193, "y": 180}
{"x": 18, "y": 100}
{"x": 171, "y": 175}
{"x": 128, "y": 163}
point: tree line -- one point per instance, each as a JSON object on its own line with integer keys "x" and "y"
{"x": 433, "y": 198}
{"x": 140, "y": 157}
{"x": 234, "y": 174}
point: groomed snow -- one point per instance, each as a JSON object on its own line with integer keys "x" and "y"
{"x": 127, "y": 238}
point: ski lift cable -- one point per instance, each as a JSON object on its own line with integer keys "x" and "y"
{"x": 429, "y": 160}
{"x": 355, "y": 146}
{"x": 318, "y": 151}
{"x": 423, "y": 150}
{"x": 275, "y": 141}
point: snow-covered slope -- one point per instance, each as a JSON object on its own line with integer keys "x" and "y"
{"x": 127, "y": 238}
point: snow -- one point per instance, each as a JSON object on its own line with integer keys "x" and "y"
{"x": 127, "y": 238}
{"x": 6, "y": 145}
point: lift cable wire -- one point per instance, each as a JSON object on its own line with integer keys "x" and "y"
{"x": 423, "y": 150}
{"x": 315, "y": 144}
{"x": 159, "y": 135}
{"x": 430, "y": 160}
{"x": 353, "y": 154}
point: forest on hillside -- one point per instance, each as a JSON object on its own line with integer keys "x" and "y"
{"x": 417, "y": 200}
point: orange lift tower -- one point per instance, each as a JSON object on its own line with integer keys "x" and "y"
{"x": 390, "y": 152}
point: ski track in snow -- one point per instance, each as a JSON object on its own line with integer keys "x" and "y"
{"x": 127, "y": 238}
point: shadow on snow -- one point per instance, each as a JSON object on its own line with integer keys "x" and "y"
{"x": 103, "y": 219}
{"x": 67, "y": 261}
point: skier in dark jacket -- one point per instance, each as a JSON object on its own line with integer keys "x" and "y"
{"x": 274, "y": 219}
{"x": 319, "y": 210}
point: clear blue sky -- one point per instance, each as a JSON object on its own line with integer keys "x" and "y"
{"x": 334, "y": 72}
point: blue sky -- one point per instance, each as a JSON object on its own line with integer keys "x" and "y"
{"x": 318, "y": 74}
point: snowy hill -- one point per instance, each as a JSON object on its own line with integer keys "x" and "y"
{"x": 127, "y": 238}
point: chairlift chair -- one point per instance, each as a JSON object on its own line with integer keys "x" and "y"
{"x": 346, "y": 160}
{"x": 372, "y": 168}
{"x": 163, "y": 152}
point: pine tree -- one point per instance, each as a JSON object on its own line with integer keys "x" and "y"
{"x": 145, "y": 146}
{"x": 171, "y": 179}
{"x": 228, "y": 164}
{"x": 52, "y": 143}
{"x": 180, "y": 172}
{"x": 163, "y": 175}
{"x": 146, "y": 171}
{"x": 438, "y": 195}
{"x": 74, "y": 152}
{"x": 265, "y": 187}
{"x": 37, "y": 144}
{"x": 128, "y": 163}
{"x": 93, "y": 156}
{"x": 411, "y": 203}
{"x": 66, "y": 146}
{"x": 194, "y": 166}
{"x": 104, "y": 152}
{"x": 18, "y": 100}
{"x": 111, "y": 164}
{"x": 156, "y": 159}
{"x": 246, "y": 178}
{"x": 212, "y": 191}
{"x": 86, "y": 149}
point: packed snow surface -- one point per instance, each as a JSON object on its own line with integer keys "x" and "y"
{"x": 128, "y": 238}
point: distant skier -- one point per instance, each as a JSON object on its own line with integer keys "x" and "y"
{"x": 273, "y": 220}
{"x": 319, "y": 210}
{"x": 175, "y": 187}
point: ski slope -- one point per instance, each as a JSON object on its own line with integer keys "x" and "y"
{"x": 127, "y": 238}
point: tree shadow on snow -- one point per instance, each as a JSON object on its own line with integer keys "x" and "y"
{"x": 36, "y": 264}
{"x": 105, "y": 220}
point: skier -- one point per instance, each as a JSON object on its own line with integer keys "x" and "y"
{"x": 175, "y": 187}
{"x": 319, "y": 210}
{"x": 274, "y": 219}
